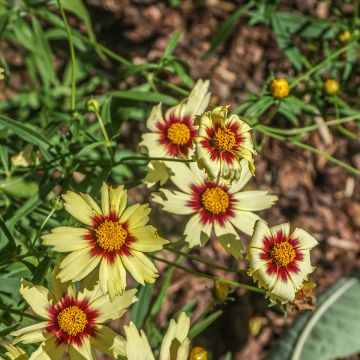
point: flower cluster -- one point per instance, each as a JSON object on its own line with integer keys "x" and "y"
{"x": 203, "y": 161}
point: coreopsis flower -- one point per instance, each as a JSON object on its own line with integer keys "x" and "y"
{"x": 280, "y": 260}
{"x": 215, "y": 207}
{"x": 15, "y": 353}
{"x": 73, "y": 322}
{"x": 114, "y": 237}
{"x": 175, "y": 344}
{"x": 222, "y": 143}
{"x": 172, "y": 135}
{"x": 279, "y": 88}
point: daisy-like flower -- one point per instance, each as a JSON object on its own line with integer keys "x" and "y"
{"x": 214, "y": 206}
{"x": 175, "y": 344}
{"x": 114, "y": 237}
{"x": 172, "y": 135}
{"x": 280, "y": 260}
{"x": 72, "y": 322}
{"x": 15, "y": 353}
{"x": 221, "y": 144}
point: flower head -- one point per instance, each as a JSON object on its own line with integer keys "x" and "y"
{"x": 214, "y": 206}
{"x": 331, "y": 87}
{"x": 114, "y": 237}
{"x": 73, "y": 321}
{"x": 175, "y": 344}
{"x": 280, "y": 261}
{"x": 172, "y": 135}
{"x": 222, "y": 143}
{"x": 279, "y": 88}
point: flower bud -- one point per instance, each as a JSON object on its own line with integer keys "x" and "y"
{"x": 279, "y": 88}
{"x": 221, "y": 291}
{"x": 2, "y": 73}
{"x": 198, "y": 353}
{"x": 331, "y": 87}
{"x": 344, "y": 36}
{"x": 92, "y": 105}
{"x": 56, "y": 203}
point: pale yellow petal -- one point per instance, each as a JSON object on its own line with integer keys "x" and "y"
{"x": 177, "y": 202}
{"x": 30, "y": 334}
{"x": 118, "y": 199}
{"x": 253, "y": 255}
{"x": 155, "y": 118}
{"x": 140, "y": 267}
{"x": 244, "y": 221}
{"x": 254, "y": 200}
{"x": 105, "y": 199}
{"x": 77, "y": 265}
{"x": 38, "y": 297}
{"x": 261, "y": 231}
{"x": 193, "y": 230}
{"x": 137, "y": 346}
{"x": 49, "y": 350}
{"x": 147, "y": 239}
{"x": 82, "y": 351}
{"x": 284, "y": 228}
{"x": 283, "y": 291}
{"x": 113, "y": 310}
{"x": 108, "y": 342}
{"x": 66, "y": 239}
{"x": 76, "y": 206}
{"x": 156, "y": 172}
{"x": 306, "y": 241}
{"x": 139, "y": 218}
{"x": 199, "y": 98}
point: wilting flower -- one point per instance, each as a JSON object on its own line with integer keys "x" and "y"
{"x": 15, "y": 353}
{"x": 73, "y": 321}
{"x": 280, "y": 261}
{"x": 214, "y": 206}
{"x": 279, "y": 88}
{"x": 222, "y": 143}
{"x": 114, "y": 237}
{"x": 175, "y": 344}
{"x": 172, "y": 135}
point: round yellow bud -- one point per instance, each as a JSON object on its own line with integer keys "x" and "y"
{"x": 344, "y": 36}
{"x": 221, "y": 291}
{"x": 279, "y": 88}
{"x": 331, "y": 87}
{"x": 198, "y": 353}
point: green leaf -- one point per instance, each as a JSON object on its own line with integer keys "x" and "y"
{"x": 227, "y": 27}
{"x": 175, "y": 38}
{"x": 7, "y": 233}
{"x": 135, "y": 69}
{"x": 286, "y": 43}
{"x": 259, "y": 106}
{"x": 232, "y": 245}
{"x": 147, "y": 96}
{"x": 204, "y": 324}
{"x": 141, "y": 308}
{"x": 25, "y": 132}
{"x": 18, "y": 186}
{"x": 78, "y": 8}
{"x": 331, "y": 332}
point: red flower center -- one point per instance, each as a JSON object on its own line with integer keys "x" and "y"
{"x": 71, "y": 320}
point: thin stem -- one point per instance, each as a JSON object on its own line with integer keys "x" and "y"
{"x": 148, "y": 158}
{"x": 209, "y": 276}
{"x": 105, "y": 134}
{"x": 203, "y": 261}
{"x": 72, "y": 58}
{"x": 19, "y": 312}
{"x": 306, "y": 128}
{"x": 321, "y": 64}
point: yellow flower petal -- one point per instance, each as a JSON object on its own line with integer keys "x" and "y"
{"x": 108, "y": 342}
{"x": 137, "y": 346}
{"x": 38, "y": 297}
{"x": 80, "y": 209}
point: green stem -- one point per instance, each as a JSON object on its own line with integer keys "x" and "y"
{"x": 72, "y": 58}
{"x": 203, "y": 261}
{"x": 306, "y": 128}
{"x": 19, "y": 312}
{"x": 209, "y": 276}
{"x": 321, "y": 64}
{"x": 148, "y": 158}
{"x": 105, "y": 134}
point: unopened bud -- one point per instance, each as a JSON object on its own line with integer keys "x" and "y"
{"x": 198, "y": 353}
{"x": 92, "y": 105}
{"x": 331, "y": 87}
{"x": 279, "y": 88}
